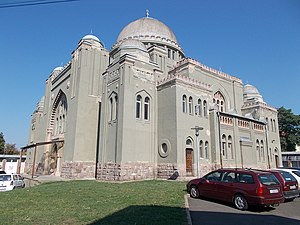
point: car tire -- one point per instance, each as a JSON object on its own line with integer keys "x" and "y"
{"x": 240, "y": 202}
{"x": 194, "y": 192}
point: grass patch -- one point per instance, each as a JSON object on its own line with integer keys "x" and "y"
{"x": 91, "y": 202}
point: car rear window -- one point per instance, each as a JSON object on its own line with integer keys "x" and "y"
{"x": 5, "y": 177}
{"x": 297, "y": 173}
{"x": 268, "y": 179}
{"x": 287, "y": 176}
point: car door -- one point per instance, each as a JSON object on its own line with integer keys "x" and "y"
{"x": 227, "y": 186}
{"x": 209, "y": 186}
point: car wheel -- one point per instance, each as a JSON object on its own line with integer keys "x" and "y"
{"x": 240, "y": 202}
{"x": 194, "y": 192}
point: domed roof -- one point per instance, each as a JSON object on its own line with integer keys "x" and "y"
{"x": 59, "y": 68}
{"x": 91, "y": 37}
{"x": 250, "y": 89}
{"x": 149, "y": 30}
{"x": 132, "y": 43}
{"x": 251, "y": 93}
{"x": 147, "y": 26}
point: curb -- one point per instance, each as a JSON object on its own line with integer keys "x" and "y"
{"x": 187, "y": 209}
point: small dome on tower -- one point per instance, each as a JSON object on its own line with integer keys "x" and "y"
{"x": 251, "y": 93}
{"x": 132, "y": 43}
{"x": 91, "y": 37}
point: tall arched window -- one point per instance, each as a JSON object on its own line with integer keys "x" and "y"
{"x": 230, "y": 149}
{"x": 61, "y": 114}
{"x": 111, "y": 109}
{"x": 258, "y": 149}
{"x": 199, "y": 107}
{"x": 115, "y": 107}
{"x": 201, "y": 149}
{"x": 204, "y": 108}
{"x": 146, "y": 108}
{"x": 206, "y": 150}
{"x": 262, "y": 150}
{"x": 190, "y": 105}
{"x": 224, "y": 150}
{"x": 219, "y": 101}
{"x": 184, "y": 103}
{"x": 138, "y": 107}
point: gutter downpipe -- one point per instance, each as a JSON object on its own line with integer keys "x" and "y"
{"x": 98, "y": 141}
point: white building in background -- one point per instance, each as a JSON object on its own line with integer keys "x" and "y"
{"x": 128, "y": 113}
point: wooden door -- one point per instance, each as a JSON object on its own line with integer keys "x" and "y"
{"x": 189, "y": 161}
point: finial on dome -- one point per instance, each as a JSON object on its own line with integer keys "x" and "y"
{"x": 147, "y": 13}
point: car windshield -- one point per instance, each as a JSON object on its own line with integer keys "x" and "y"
{"x": 5, "y": 177}
{"x": 268, "y": 179}
{"x": 287, "y": 176}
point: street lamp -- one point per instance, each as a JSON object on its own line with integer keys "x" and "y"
{"x": 197, "y": 128}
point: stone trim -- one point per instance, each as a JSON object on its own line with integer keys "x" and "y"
{"x": 78, "y": 170}
{"x": 127, "y": 171}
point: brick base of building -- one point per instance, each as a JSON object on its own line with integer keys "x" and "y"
{"x": 125, "y": 171}
{"x": 78, "y": 170}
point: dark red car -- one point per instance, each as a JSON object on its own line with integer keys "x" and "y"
{"x": 243, "y": 187}
{"x": 289, "y": 184}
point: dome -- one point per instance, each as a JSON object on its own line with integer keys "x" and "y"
{"x": 147, "y": 27}
{"x": 251, "y": 93}
{"x": 149, "y": 30}
{"x": 132, "y": 43}
{"x": 250, "y": 89}
{"x": 91, "y": 37}
{"x": 59, "y": 68}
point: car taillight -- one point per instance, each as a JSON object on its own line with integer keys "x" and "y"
{"x": 260, "y": 191}
{"x": 286, "y": 188}
{"x": 11, "y": 183}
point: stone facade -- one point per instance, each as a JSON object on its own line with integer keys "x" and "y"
{"x": 130, "y": 113}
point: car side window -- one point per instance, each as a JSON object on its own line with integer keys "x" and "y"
{"x": 215, "y": 176}
{"x": 15, "y": 177}
{"x": 245, "y": 178}
{"x": 229, "y": 177}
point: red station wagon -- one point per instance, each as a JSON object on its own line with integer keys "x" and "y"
{"x": 243, "y": 187}
{"x": 289, "y": 184}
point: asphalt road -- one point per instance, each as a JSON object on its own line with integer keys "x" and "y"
{"x": 209, "y": 212}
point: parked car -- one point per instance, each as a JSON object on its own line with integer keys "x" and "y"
{"x": 11, "y": 181}
{"x": 289, "y": 184}
{"x": 2, "y": 172}
{"x": 294, "y": 172}
{"x": 242, "y": 187}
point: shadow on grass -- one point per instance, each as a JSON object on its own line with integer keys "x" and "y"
{"x": 145, "y": 215}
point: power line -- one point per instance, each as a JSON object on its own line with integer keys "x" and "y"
{"x": 32, "y": 3}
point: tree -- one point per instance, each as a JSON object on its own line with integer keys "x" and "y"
{"x": 2, "y": 143}
{"x": 289, "y": 129}
{"x": 11, "y": 149}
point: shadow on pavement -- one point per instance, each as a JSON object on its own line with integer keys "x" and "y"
{"x": 224, "y": 218}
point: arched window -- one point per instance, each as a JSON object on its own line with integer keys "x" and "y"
{"x": 224, "y": 150}
{"x": 219, "y": 101}
{"x": 115, "y": 108}
{"x": 199, "y": 107}
{"x": 206, "y": 150}
{"x": 146, "y": 108}
{"x": 201, "y": 149}
{"x": 258, "y": 149}
{"x": 230, "y": 149}
{"x": 268, "y": 125}
{"x": 138, "y": 107}
{"x": 190, "y": 105}
{"x": 189, "y": 143}
{"x": 61, "y": 116}
{"x": 111, "y": 107}
{"x": 204, "y": 108}
{"x": 262, "y": 152}
{"x": 184, "y": 103}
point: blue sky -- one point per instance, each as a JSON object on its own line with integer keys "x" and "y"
{"x": 257, "y": 41}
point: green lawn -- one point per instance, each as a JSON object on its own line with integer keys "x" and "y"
{"x": 92, "y": 202}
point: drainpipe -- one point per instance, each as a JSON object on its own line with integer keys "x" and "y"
{"x": 98, "y": 140}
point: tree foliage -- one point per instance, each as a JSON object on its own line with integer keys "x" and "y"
{"x": 2, "y": 143}
{"x": 289, "y": 129}
{"x": 11, "y": 149}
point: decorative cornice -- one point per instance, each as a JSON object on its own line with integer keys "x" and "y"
{"x": 205, "y": 68}
{"x": 184, "y": 79}
{"x": 258, "y": 104}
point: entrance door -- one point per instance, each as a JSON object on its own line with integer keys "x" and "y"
{"x": 189, "y": 161}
